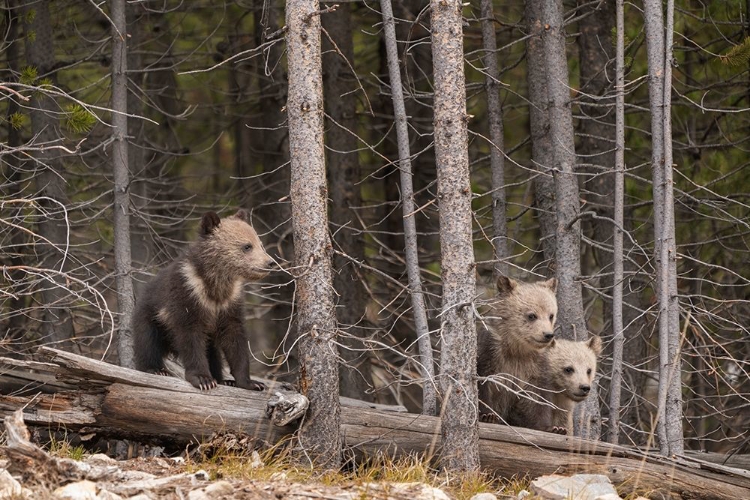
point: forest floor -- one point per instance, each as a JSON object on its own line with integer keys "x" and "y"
{"x": 206, "y": 473}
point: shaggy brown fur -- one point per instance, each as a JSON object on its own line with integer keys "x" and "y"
{"x": 194, "y": 307}
{"x": 570, "y": 368}
{"x": 520, "y": 326}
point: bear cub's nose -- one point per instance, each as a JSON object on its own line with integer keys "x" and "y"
{"x": 549, "y": 335}
{"x": 585, "y": 389}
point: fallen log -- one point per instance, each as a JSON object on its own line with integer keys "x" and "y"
{"x": 116, "y": 401}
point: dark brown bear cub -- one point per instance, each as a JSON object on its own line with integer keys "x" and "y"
{"x": 194, "y": 307}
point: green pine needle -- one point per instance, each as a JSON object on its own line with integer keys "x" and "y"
{"x": 78, "y": 120}
{"x": 739, "y": 55}
{"x": 18, "y": 120}
{"x": 28, "y": 75}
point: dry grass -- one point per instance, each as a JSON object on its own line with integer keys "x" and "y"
{"x": 279, "y": 464}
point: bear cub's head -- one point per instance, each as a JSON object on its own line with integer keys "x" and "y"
{"x": 573, "y": 366}
{"x": 233, "y": 245}
{"x": 527, "y": 311}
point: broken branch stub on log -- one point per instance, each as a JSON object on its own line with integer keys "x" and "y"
{"x": 117, "y": 401}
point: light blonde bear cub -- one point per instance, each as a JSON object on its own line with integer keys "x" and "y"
{"x": 566, "y": 380}
{"x": 519, "y": 329}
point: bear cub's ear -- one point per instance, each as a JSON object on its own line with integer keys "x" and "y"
{"x": 505, "y": 285}
{"x": 209, "y": 222}
{"x": 551, "y": 284}
{"x": 242, "y": 215}
{"x": 595, "y": 344}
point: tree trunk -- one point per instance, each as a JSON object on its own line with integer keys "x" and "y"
{"x": 14, "y": 328}
{"x": 458, "y": 329}
{"x": 497, "y": 160}
{"x": 669, "y": 426}
{"x": 275, "y": 209}
{"x": 355, "y": 376}
{"x": 49, "y": 177}
{"x": 141, "y": 242}
{"x": 316, "y": 321}
{"x": 429, "y": 396}
{"x": 120, "y": 166}
{"x": 618, "y": 337}
{"x": 539, "y": 125}
{"x": 571, "y": 319}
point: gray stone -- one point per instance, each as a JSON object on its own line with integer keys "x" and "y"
{"x": 578, "y": 487}
{"x": 219, "y": 488}
{"x": 484, "y": 496}
{"x": 9, "y": 487}
{"x": 81, "y": 490}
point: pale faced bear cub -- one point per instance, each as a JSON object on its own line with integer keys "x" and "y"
{"x": 194, "y": 307}
{"x": 520, "y": 327}
{"x": 569, "y": 371}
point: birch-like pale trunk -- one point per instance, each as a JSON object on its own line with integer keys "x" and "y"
{"x": 497, "y": 160}
{"x": 460, "y": 430}
{"x": 659, "y": 53}
{"x": 319, "y": 435}
{"x": 120, "y": 165}
{"x": 429, "y": 396}
{"x": 618, "y": 339}
{"x": 570, "y": 313}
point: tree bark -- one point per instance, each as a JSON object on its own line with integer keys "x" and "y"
{"x": 539, "y": 126}
{"x": 618, "y": 338}
{"x": 49, "y": 178}
{"x": 14, "y": 327}
{"x": 497, "y": 158}
{"x": 120, "y": 167}
{"x": 355, "y": 376}
{"x": 458, "y": 329}
{"x": 316, "y": 321}
{"x": 82, "y": 393}
{"x": 659, "y": 50}
{"x": 275, "y": 210}
{"x": 571, "y": 318}
{"x": 429, "y": 393}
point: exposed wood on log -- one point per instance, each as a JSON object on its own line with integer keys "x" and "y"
{"x": 118, "y": 401}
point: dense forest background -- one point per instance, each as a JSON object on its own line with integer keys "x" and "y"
{"x": 207, "y": 130}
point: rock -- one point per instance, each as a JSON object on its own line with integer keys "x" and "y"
{"x": 141, "y": 496}
{"x": 580, "y": 487}
{"x": 100, "y": 459}
{"x": 219, "y": 488}
{"x": 522, "y": 494}
{"x": 255, "y": 460}
{"x": 198, "y": 495}
{"x": 108, "y": 495}
{"x": 413, "y": 491}
{"x": 9, "y": 487}
{"x": 81, "y": 490}
{"x": 484, "y": 496}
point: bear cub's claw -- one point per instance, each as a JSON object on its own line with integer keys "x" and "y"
{"x": 559, "y": 430}
{"x": 489, "y": 418}
{"x": 202, "y": 382}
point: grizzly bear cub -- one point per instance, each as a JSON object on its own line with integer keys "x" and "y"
{"x": 569, "y": 372}
{"x": 194, "y": 307}
{"x": 520, "y": 327}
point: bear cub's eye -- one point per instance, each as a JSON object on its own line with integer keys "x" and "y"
{"x": 588, "y": 372}
{"x": 247, "y": 247}
{"x": 551, "y": 318}
{"x": 569, "y": 370}
{"x": 531, "y": 317}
